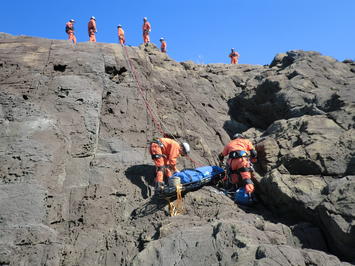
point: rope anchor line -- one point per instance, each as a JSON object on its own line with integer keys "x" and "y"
{"x": 154, "y": 117}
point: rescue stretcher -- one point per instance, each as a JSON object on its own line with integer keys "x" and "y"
{"x": 198, "y": 178}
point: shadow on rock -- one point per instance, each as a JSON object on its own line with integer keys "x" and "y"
{"x": 350, "y": 170}
{"x": 143, "y": 177}
{"x": 154, "y": 205}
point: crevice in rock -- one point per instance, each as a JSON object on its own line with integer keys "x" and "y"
{"x": 59, "y": 67}
{"x": 216, "y": 230}
{"x": 336, "y": 122}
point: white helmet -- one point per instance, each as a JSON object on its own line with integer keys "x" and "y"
{"x": 72, "y": 20}
{"x": 162, "y": 39}
{"x": 186, "y": 147}
{"x": 238, "y": 136}
{"x": 145, "y": 18}
{"x": 93, "y": 18}
{"x": 119, "y": 26}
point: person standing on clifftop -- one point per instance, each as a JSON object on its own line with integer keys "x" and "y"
{"x": 164, "y": 153}
{"x": 146, "y": 30}
{"x": 239, "y": 168}
{"x": 234, "y": 56}
{"x": 163, "y": 45}
{"x": 120, "y": 33}
{"x": 69, "y": 29}
{"x": 92, "y": 29}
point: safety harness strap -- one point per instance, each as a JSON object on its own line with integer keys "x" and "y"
{"x": 248, "y": 181}
{"x": 157, "y": 141}
{"x": 242, "y": 169}
{"x": 237, "y": 154}
{"x": 158, "y": 156}
{"x": 161, "y": 168}
{"x": 161, "y": 145}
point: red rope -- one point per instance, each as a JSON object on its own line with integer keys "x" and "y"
{"x": 150, "y": 112}
{"x": 195, "y": 164}
{"x": 149, "y": 109}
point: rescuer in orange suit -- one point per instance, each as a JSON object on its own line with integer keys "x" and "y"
{"x": 234, "y": 56}
{"x": 164, "y": 153}
{"x": 239, "y": 167}
{"x": 92, "y": 29}
{"x": 163, "y": 45}
{"x": 120, "y": 33}
{"x": 69, "y": 29}
{"x": 146, "y": 30}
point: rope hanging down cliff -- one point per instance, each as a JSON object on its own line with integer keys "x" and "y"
{"x": 155, "y": 118}
{"x": 150, "y": 111}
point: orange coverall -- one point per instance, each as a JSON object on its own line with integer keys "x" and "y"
{"x": 121, "y": 37}
{"x": 237, "y": 163}
{"x": 70, "y": 31}
{"x": 163, "y": 46}
{"x": 92, "y": 30}
{"x": 146, "y": 30}
{"x": 164, "y": 155}
{"x": 234, "y": 57}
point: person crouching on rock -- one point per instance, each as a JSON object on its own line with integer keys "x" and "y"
{"x": 164, "y": 153}
{"x": 239, "y": 167}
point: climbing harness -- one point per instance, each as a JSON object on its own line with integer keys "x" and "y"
{"x": 240, "y": 170}
{"x": 157, "y": 141}
{"x": 237, "y": 154}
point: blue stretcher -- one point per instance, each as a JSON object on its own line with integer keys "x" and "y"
{"x": 192, "y": 179}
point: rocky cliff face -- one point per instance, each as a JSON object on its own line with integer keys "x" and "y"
{"x": 76, "y": 177}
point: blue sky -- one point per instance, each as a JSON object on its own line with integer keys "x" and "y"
{"x": 202, "y": 31}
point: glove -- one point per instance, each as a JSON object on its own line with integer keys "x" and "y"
{"x": 249, "y": 188}
{"x": 253, "y": 160}
{"x": 159, "y": 186}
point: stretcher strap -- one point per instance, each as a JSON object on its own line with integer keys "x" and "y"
{"x": 176, "y": 207}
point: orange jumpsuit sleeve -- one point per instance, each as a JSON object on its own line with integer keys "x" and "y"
{"x": 174, "y": 154}
{"x": 250, "y": 146}
{"x": 172, "y": 151}
{"x": 226, "y": 149}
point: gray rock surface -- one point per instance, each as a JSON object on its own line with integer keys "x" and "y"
{"x": 76, "y": 178}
